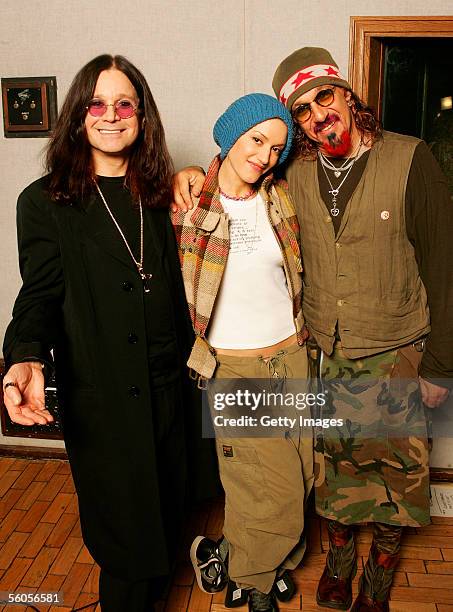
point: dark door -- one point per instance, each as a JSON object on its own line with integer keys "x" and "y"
{"x": 418, "y": 93}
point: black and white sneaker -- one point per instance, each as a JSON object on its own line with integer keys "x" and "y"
{"x": 210, "y": 569}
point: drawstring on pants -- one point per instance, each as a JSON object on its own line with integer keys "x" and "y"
{"x": 276, "y": 368}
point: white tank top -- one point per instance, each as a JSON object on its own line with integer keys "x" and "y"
{"x": 253, "y": 308}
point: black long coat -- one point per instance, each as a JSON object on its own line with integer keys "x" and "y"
{"x": 82, "y": 297}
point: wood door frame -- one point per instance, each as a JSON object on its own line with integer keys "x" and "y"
{"x": 366, "y": 59}
{"x": 366, "y": 48}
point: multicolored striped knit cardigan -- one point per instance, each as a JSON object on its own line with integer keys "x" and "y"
{"x": 203, "y": 238}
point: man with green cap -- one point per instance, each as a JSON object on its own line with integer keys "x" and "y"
{"x": 376, "y": 220}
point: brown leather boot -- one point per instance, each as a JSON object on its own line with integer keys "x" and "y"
{"x": 376, "y": 581}
{"x": 334, "y": 588}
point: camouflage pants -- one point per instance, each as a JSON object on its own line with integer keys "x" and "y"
{"x": 374, "y": 468}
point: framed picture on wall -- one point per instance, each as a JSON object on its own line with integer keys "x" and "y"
{"x": 29, "y": 106}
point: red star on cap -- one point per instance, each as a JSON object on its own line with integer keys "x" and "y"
{"x": 302, "y": 76}
{"x": 331, "y": 71}
{"x": 283, "y": 99}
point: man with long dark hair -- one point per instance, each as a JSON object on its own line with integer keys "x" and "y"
{"x": 102, "y": 302}
{"x": 376, "y": 222}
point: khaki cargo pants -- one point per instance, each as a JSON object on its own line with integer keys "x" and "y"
{"x": 266, "y": 480}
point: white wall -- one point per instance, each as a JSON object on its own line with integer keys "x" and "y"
{"x": 197, "y": 55}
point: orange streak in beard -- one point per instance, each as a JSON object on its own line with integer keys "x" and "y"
{"x": 338, "y": 147}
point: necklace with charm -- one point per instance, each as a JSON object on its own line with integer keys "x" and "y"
{"x": 337, "y": 170}
{"x": 345, "y": 167}
{"x": 138, "y": 263}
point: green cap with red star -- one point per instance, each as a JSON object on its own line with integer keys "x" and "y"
{"x": 303, "y": 70}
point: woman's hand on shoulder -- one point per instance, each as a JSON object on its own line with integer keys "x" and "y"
{"x": 187, "y": 185}
{"x": 23, "y": 394}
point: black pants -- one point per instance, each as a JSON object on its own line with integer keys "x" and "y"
{"x": 117, "y": 595}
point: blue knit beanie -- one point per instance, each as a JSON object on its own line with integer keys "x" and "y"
{"x": 246, "y": 112}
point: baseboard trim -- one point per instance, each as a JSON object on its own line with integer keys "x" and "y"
{"x": 42, "y": 452}
{"x": 32, "y": 452}
{"x": 441, "y": 475}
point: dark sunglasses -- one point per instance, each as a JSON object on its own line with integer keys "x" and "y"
{"x": 325, "y": 97}
{"x": 123, "y": 108}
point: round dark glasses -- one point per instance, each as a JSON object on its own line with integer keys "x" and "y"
{"x": 324, "y": 97}
{"x": 123, "y": 108}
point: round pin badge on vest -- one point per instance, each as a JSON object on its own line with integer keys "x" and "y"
{"x": 385, "y": 215}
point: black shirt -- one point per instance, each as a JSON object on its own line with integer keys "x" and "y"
{"x": 159, "y": 315}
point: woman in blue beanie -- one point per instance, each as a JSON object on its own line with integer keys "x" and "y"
{"x": 242, "y": 269}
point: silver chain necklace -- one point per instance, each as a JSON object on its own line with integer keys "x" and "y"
{"x": 139, "y": 264}
{"x": 337, "y": 170}
{"x": 335, "y": 211}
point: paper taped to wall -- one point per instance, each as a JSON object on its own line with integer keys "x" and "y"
{"x": 442, "y": 499}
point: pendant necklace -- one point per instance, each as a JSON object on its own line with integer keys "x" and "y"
{"x": 138, "y": 264}
{"x": 346, "y": 167}
{"x": 337, "y": 170}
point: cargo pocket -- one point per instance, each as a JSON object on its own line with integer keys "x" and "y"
{"x": 244, "y": 481}
{"x": 407, "y": 362}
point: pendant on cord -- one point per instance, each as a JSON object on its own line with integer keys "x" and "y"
{"x": 145, "y": 279}
{"x": 334, "y": 211}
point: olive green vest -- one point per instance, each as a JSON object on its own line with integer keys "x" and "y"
{"x": 366, "y": 278}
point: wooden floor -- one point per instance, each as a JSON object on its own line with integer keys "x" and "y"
{"x": 41, "y": 550}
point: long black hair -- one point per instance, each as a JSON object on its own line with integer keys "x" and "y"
{"x": 68, "y": 158}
